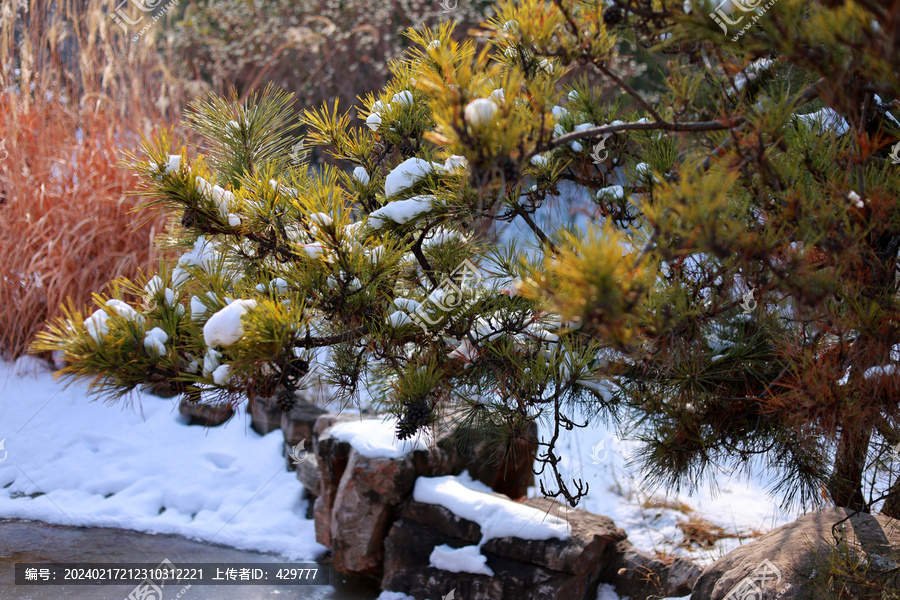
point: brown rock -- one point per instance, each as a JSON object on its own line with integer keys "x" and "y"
{"x": 265, "y": 416}
{"x": 780, "y": 564}
{"x": 299, "y": 422}
{"x": 590, "y": 545}
{"x": 528, "y": 569}
{"x": 365, "y": 506}
{"x": 310, "y": 475}
{"x": 511, "y": 474}
{"x": 208, "y": 415}
{"x": 642, "y": 576}
{"x": 406, "y": 557}
{"x": 332, "y": 456}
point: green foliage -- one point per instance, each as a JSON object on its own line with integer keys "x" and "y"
{"x": 726, "y": 285}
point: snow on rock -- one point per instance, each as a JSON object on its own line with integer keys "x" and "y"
{"x": 154, "y": 341}
{"x": 607, "y": 591}
{"x": 826, "y": 119}
{"x": 224, "y": 328}
{"x": 406, "y": 174}
{"x": 97, "y": 325}
{"x": 394, "y": 596}
{"x": 374, "y": 438}
{"x": 497, "y": 516}
{"x": 400, "y": 211}
{"x": 467, "y": 559}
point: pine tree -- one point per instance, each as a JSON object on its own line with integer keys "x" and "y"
{"x": 729, "y": 291}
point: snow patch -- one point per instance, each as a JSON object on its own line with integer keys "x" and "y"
{"x": 467, "y": 559}
{"x": 154, "y": 341}
{"x": 400, "y": 211}
{"x": 97, "y": 325}
{"x": 224, "y": 328}
{"x": 405, "y": 175}
{"x": 826, "y": 119}
{"x": 374, "y": 438}
{"x": 497, "y": 516}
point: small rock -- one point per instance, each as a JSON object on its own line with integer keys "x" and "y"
{"x": 310, "y": 476}
{"x": 208, "y": 415}
{"x": 265, "y": 416}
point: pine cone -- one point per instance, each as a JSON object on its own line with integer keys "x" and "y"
{"x": 406, "y": 430}
{"x": 418, "y": 412}
{"x": 417, "y": 416}
{"x": 296, "y": 369}
{"x": 286, "y": 400}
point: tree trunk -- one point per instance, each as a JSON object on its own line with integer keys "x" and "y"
{"x": 845, "y": 487}
{"x": 891, "y": 507}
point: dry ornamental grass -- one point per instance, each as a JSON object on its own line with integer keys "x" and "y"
{"x": 73, "y": 100}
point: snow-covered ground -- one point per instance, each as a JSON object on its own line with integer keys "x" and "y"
{"x": 118, "y": 466}
{"x": 94, "y": 464}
